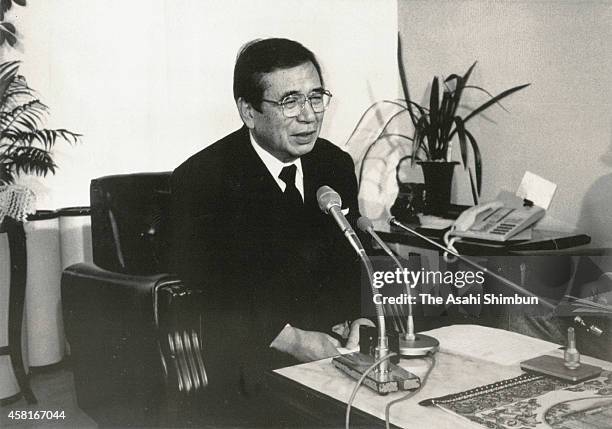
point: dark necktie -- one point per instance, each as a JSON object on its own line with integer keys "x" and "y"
{"x": 291, "y": 194}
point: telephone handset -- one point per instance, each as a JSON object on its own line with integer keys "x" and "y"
{"x": 494, "y": 221}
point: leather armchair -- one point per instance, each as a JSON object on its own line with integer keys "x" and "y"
{"x": 134, "y": 329}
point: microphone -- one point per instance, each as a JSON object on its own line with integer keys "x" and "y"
{"x": 331, "y": 203}
{"x": 387, "y": 377}
{"x": 411, "y": 344}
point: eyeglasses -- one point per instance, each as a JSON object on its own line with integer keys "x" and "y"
{"x": 293, "y": 104}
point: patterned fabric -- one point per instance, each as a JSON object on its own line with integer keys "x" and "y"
{"x": 533, "y": 402}
{"x": 16, "y": 202}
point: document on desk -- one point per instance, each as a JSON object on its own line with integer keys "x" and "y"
{"x": 481, "y": 342}
{"x": 534, "y": 401}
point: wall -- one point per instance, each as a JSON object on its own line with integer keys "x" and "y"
{"x": 561, "y": 126}
{"x": 148, "y": 82}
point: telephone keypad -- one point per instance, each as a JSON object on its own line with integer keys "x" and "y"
{"x": 491, "y": 220}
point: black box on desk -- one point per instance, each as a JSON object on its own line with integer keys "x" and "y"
{"x": 368, "y": 339}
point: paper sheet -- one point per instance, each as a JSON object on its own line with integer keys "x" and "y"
{"x": 536, "y": 189}
{"x": 480, "y": 342}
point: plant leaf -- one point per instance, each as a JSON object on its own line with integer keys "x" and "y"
{"x": 6, "y": 175}
{"x": 8, "y": 71}
{"x": 447, "y": 119}
{"x": 477, "y": 161}
{"x": 5, "y": 5}
{"x": 434, "y": 100}
{"x": 494, "y": 100}
{"x": 27, "y": 116}
{"x": 24, "y": 146}
{"x": 486, "y": 92}
{"x": 404, "y": 80}
{"x": 462, "y": 140}
{"x": 417, "y": 142}
{"x": 461, "y": 83}
{"x": 473, "y": 188}
{"x": 16, "y": 93}
{"x": 45, "y": 138}
{"x": 421, "y": 132}
{"x": 8, "y": 30}
{"x": 30, "y": 159}
{"x": 453, "y": 76}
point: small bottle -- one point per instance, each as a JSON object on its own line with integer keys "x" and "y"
{"x": 571, "y": 355}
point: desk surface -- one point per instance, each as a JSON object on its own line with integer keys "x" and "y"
{"x": 542, "y": 240}
{"x": 455, "y": 371}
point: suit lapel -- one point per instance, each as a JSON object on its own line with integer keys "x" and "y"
{"x": 254, "y": 177}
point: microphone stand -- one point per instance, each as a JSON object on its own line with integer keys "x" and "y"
{"x": 486, "y": 271}
{"x": 382, "y": 348}
{"x": 410, "y": 344}
{"x": 387, "y": 377}
{"x": 577, "y": 319}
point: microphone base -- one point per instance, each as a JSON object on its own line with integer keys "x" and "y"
{"x": 395, "y": 379}
{"x": 421, "y": 345}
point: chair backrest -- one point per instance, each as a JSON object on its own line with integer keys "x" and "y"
{"x": 129, "y": 222}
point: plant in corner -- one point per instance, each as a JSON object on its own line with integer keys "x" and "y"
{"x": 25, "y": 145}
{"x": 25, "y": 148}
{"x": 435, "y": 126}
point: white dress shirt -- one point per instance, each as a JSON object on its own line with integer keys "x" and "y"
{"x": 275, "y": 166}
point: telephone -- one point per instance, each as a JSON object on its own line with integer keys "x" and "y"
{"x": 494, "y": 221}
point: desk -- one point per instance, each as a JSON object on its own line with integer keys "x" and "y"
{"x": 454, "y": 372}
{"x": 542, "y": 240}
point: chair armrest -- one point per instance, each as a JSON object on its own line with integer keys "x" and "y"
{"x": 85, "y": 274}
{"x": 131, "y": 335}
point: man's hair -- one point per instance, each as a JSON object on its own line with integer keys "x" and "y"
{"x": 262, "y": 56}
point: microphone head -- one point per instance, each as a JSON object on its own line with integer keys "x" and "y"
{"x": 328, "y": 198}
{"x": 364, "y": 223}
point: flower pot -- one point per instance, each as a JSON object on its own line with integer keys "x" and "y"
{"x": 438, "y": 184}
{"x": 75, "y": 235}
{"x": 409, "y": 202}
{"x": 43, "y": 304}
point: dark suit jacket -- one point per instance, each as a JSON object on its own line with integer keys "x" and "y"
{"x": 261, "y": 263}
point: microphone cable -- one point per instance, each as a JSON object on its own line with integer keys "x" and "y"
{"x": 349, "y": 404}
{"x": 409, "y": 395}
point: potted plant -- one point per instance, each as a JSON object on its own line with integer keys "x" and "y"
{"x": 435, "y": 126}
{"x": 25, "y": 146}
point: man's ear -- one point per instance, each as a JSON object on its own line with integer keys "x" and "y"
{"x": 246, "y": 111}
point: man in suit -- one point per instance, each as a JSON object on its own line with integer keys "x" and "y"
{"x": 248, "y": 230}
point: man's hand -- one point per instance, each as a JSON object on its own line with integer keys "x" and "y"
{"x": 305, "y": 346}
{"x": 351, "y": 333}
